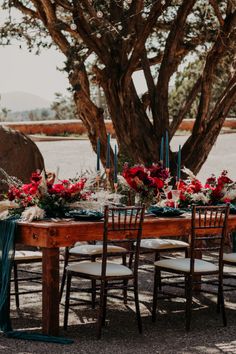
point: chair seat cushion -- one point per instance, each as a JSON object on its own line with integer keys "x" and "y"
{"x": 95, "y": 268}
{"x": 27, "y": 255}
{"x": 95, "y": 249}
{"x": 183, "y": 264}
{"x": 162, "y": 244}
{"x": 80, "y": 243}
{"x": 229, "y": 257}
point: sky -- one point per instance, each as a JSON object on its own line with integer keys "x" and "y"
{"x": 27, "y": 72}
{"x": 36, "y": 74}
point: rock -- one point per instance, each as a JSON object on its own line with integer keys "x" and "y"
{"x": 19, "y": 156}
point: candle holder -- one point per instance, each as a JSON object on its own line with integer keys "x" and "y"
{"x": 98, "y": 178}
{"x": 158, "y": 197}
{"x": 115, "y": 187}
{"x": 107, "y": 170}
{"x": 177, "y": 184}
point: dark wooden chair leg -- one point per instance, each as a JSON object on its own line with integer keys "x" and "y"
{"x": 157, "y": 273}
{"x": 218, "y": 301}
{"x": 131, "y": 256}
{"x": 125, "y": 282}
{"x": 222, "y": 303}
{"x": 157, "y": 258}
{"x": 105, "y": 304}
{"x": 100, "y": 311}
{"x": 64, "y": 273}
{"x": 67, "y": 300}
{"x": 93, "y": 282}
{"x": 138, "y": 314}
{"x": 63, "y": 279}
{"x": 16, "y": 286}
{"x": 189, "y": 302}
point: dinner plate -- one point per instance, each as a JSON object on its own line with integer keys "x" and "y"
{"x": 165, "y": 211}
{"x": 86, "y": 215}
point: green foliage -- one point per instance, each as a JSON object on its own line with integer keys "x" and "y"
{"x": 64, "y": 107}
{"x": 183, "y": 84}
{"x": 3, "y": 112}
{"x": 185, "y": 79}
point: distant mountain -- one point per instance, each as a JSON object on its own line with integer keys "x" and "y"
{"x": 22, "y": 101}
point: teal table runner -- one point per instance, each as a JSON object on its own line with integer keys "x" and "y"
{"x": 7, "y": 250}
{"x": 7, "y": 241}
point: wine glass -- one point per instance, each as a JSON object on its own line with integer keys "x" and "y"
{"x": 167, "y": 189}
{"x": 175, "y": 196}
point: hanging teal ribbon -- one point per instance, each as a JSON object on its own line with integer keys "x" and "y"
{"x": 7, "y": 242}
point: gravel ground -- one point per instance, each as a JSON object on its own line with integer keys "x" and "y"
{"x": 120, "y": 335}
{"x": 72, "y": 156}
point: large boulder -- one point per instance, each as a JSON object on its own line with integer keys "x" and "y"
{"x": 19, "y": 156}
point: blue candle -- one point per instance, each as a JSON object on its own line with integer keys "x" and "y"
{"x": 115, "y": 165}
{"x": 98, "y": 154}
{"x": 167, "y": 150}
{"x": 179, "y": 164}
{"x": 162, "y": 150}
{"x": 108, "y": 151}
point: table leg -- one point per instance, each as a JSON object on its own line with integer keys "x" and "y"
{"x": 50, "y": 298}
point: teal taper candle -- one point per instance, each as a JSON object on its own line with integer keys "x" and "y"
{"x": 162, "y": 150}
{"x": 179, "y": 163}
{"x": 98, "y": 154}
{"x": 167, "y": 150}
{"x": 115, "y": 165}
{"x": 108, "y": 151}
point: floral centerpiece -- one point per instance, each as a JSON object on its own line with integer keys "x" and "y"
{"x": 146, "y": 182}
{"x": 216, "y": 190}
{"x": 43, "y": 197}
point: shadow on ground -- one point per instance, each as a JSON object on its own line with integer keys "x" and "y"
{"x": 120, "y": 335}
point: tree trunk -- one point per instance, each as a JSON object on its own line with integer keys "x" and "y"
{"x": 135, "y": 135}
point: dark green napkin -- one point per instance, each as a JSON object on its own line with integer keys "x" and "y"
{"x": 165, "y": 211}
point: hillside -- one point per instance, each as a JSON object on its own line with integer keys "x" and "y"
{"x": 22, "y": 101}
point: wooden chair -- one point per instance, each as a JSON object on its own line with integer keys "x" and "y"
{"x": 90, "y": 252}
{"x": 159, "y": 246}
{"x": 209, "y": 224}
{"x": 24, "y": 258}
{"x": 119, "y": 223}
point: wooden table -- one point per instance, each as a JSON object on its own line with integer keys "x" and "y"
{"x": 50, "y": 236}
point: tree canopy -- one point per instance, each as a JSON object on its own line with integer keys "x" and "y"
{"x": 106, "y": 41}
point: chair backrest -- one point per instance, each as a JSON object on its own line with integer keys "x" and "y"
{"x": 209, "y": 229}
{"x": 123, "y": 224}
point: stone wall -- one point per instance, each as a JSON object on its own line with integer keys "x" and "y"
{"x": 64, "y": 127}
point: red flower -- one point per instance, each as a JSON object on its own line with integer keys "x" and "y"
{"x": 13, "y": 193}
{"x": 146, "y": 180}
{"x": 210, "y": 181}
{"x": 36, "y": 177}
{"x": 222, "y": 180}
{"x": 158, "y": 182}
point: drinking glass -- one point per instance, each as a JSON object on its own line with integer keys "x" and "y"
{"x": 167, "y": 189}
{"x": 175, "y": 196}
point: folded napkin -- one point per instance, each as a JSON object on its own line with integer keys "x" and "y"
{"x": 165, "y": 211}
